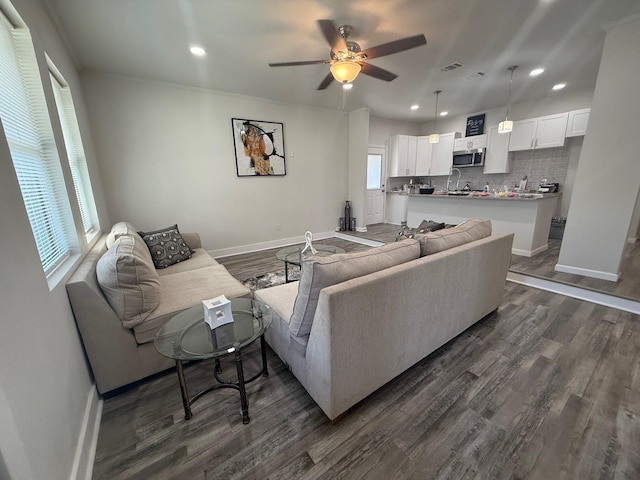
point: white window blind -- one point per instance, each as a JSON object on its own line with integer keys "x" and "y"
{"x": 27, "y": 128}
{"x": 75, "y": 154}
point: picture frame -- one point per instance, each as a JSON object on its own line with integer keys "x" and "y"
{"x": 259, "y": 147}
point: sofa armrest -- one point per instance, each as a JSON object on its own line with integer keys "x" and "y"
{"x": 192, "y": 239}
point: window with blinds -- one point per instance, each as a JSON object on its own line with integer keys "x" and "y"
{"x": 75, "y": 153}
{"x": 27, "y": 128}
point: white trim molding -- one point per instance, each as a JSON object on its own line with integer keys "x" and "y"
{"x": 82, "y": 468}
{"x": 612, "y": 277}
{"x": 256, "y": 247}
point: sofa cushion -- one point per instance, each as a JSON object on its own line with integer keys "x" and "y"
{"x": 320, "y": 272}
{"x": 468, "y": 231}
{"x": 118, "y": 230}
{"x": 183, "y": 290}
{"x": 128, "y": 280}
{"x": 167, "y": 247}
{"x": 199, "y": 259}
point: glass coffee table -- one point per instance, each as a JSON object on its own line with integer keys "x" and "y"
{"x": 292, "y": 255}
{"x": 187, "y": 337}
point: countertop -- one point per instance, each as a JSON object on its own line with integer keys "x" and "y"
{"x": 477, "y": 196}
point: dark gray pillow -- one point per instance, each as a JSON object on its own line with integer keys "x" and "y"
{"x": 166, "y": 246}
{"x": 429, "y": 226}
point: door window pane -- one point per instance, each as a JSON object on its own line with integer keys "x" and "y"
{"x": 374, "y": 171}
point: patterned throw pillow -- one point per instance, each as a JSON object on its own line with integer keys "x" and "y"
{"x": 166, "y": 246}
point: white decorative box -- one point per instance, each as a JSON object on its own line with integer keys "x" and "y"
{"x": 217, "y": 311}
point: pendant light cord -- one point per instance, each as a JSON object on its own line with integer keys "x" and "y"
{"x": 509, "y": 94}
{"x": 435, "y": 123}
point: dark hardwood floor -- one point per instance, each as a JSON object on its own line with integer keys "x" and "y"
{"x": 546, "y": 388}
{"x": 543, "y": 265}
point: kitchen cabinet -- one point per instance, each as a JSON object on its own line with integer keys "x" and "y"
{"x": 442, "y": 154}
{"x": 402, "y": 155}
{"x": 424, "y": 151}
{"x": 541, "y": 132}
{"x": 496, "y": 158}
{"x": 396, "y": 208}
{"x": 470, "y": 143}
{"x": 577, "y": 122}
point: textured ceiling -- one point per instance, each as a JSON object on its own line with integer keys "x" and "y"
{"x": 150, "y": 39}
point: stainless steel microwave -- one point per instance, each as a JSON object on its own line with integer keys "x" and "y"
{"x": 468, "y": 159}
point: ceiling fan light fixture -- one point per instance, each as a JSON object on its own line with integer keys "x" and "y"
{"x": 345, "y": 71}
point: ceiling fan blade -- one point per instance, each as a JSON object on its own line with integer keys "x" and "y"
{"x": 377, "y": 72}
{"x": 325, "y": 82}
{"x": 332, "y": 35}
{"x": 395, "y": 46}
{"x": 293, "y": 64}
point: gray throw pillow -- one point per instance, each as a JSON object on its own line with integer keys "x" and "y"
{"x": 166, "y": 246}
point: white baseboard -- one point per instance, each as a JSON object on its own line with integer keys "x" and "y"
{"x": 363, "y": 241}
{"x": 256, "y": 247}
{"x": 88, "y": 439}
{"x": 612, "y": 277}
{"x": 529, "y": 253}
{"x": 599, "y": 298}
{"x": 632, "y": 239}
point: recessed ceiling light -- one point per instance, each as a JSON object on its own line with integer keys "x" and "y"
{"x": 535, "y": 72}
{"x": 415, "y": 107}
{"x": 444, "y": 114}
{"x": 198, "y": 51}
{"x": 559, "y": 86}
{"x": 347, "y": 86}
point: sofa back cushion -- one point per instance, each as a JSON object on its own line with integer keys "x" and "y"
{"x": 467, "y": 231}
{"x": 118, "y": 230}
{"x": 320, "y": 272}
{"x": 128, "y": 280}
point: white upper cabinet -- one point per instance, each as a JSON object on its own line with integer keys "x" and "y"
{"x": 470, "y": 143}
{"x": 577, "y": 123}
{"x": 496, "y": 158}
{"x": 402, "y": 155}
{"x": 541, "y": 132}
{"x": 423, "y": 156}
{"x": 442, "y": 154}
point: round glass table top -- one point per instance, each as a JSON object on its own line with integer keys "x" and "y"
{"x": 293, "y": 254}
{"x": 187, "y": 337}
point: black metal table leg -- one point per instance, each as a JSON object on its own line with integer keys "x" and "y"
{"x": 265, "y": 369}
{"x": 243, "y": 394}
{"x": 286, "y": 272}
{"x": 183, "y": 390}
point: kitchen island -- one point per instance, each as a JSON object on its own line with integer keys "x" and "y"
{"x": 528, "y": 217}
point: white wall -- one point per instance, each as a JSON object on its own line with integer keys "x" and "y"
{"x": 606, "y": 185}
{"x": 167, "y": 156}
{"x": 380, "y": 129}
{"x": 44, "y": 379}
{"x": 358, "y": 151}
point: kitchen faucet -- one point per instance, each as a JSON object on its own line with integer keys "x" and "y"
{"x": 449, "y": 178}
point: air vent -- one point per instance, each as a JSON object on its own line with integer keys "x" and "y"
{"x": 451, "y": 66}
{"x": 473, "y": 76}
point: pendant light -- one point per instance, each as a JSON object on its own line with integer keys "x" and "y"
{"x": 507, "y": 125}
{"x": 435, "y": 137}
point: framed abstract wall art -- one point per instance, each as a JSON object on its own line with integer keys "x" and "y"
{"x": 259, "y": 147}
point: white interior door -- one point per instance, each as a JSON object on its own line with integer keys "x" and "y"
{"x": 376, "y": 176}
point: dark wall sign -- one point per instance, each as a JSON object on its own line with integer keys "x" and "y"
{"x": 475, "y": 125}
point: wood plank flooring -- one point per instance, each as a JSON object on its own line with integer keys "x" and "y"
{"x": 543, "y": 264}
{"x": 546, "y": 388}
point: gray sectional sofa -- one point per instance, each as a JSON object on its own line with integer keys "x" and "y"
{"x": 355, "y": 321}
{"x": 119, "y": 315}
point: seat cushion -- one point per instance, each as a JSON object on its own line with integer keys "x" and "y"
{"x": 320, "y": 272}
{"x": 128, "y": 280}
{"x": 467, "y": 231}
{"x": 199, "y": 259}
